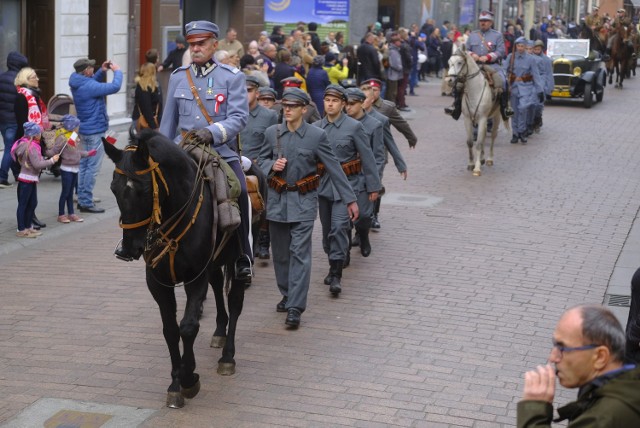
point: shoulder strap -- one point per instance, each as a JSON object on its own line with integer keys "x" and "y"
{"x": 194, "y": 91}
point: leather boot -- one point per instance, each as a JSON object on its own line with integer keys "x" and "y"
{"x": 243, "y": 269}
{"x": 455, "y": 109}
{"x": 355, "y": 242}
{"x": 335, "y": 288}
{"x": 365, "y": 245}
{"x": 505, "y": 108}
{"x": 329, "y": 277}
{"x": 263, "y": 245}
{"x": 514, "y": 139}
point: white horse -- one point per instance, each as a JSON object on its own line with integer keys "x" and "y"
{"x": 478, "y": 105}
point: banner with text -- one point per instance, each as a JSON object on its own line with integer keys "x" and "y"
{"x": 330, "y": 15}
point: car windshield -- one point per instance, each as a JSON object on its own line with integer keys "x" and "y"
{"x": 568, "y": 47}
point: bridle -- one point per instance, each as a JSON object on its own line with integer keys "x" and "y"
{"x": 464, "y": 78}
{"x": 158, "y": 242}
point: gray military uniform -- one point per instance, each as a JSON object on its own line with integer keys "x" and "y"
{"x": 252, "y": 136}
{"x": 349, "y": 142}
{"x": 291, "y": 214}
{"x": 490, "y": 43}
{"x": 523, "y": 93}
{"x": 389, "y": 142}
{"x": 224, "y": 95}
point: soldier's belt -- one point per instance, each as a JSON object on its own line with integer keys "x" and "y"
{"x": 525, "y": 78}
{"x": 352, "y": 167}
{"x": 302, "y": 186}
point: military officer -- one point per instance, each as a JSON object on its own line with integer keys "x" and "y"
{"x": 526, "y": 84}
{"x": 290, "y": 157}
{"x": 267, "y": 97}
{"x": 371, "y": 88}
{"x": 354, "y": 153}
{"x": 545, "y": 68}
{"x": 312, "y": 114}
{"x": 486, "y": 46}
{"x": 216, "y": 105}
{"x": 374, "y": 131}
{"x": 252, "y": 140}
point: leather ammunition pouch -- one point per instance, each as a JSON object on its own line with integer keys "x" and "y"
{"x": 350, "y": 168}
{"x": 253, "y": 190}
{"x": 525, "y": 78}
{"x": 304, "y": 185}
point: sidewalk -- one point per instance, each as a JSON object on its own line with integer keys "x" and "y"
{"x": 47, "y": 210}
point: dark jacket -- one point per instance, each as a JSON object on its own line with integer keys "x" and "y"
{"x": 406, "y": 55}
{"x": 609, "y": 401}
{"x": 369, "y": 62}
{"x": 148, "y": 103}
{"x": 8, "y": 93}
{"x": 317, "y": 81}
{"x": 174, "y": 59}
{"x": 282, "y": 71}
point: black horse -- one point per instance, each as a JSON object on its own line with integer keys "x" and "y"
{"x": 167, "y": 216}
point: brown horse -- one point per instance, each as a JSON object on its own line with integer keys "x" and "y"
{"x": 620, "y": 55}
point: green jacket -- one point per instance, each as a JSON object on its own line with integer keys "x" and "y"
{"x": 606, "y": 402}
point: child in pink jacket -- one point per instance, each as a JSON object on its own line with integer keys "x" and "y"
{"x": 27, "y": 152}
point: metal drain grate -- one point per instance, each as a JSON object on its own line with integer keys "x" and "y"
{"x": 617, "y": 300}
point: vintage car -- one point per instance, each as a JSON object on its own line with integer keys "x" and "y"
{"x": 577, "y": 71}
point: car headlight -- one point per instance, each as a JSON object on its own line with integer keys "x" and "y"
{"x": 577, "y": 71}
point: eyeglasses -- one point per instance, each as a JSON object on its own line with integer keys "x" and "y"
{"x": 563, "y": 349}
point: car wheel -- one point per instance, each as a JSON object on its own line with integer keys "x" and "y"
{"x": 588, "y": 95}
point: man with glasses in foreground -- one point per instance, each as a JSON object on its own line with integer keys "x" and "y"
{"x": 588, "y": 353}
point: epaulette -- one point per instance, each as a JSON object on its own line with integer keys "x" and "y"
{"x": 184, "y": 67}
{"x": 231, "y": 68}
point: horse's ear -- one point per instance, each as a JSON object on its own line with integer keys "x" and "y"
{"x": 142, "y": 152}
{"x": 114, "y": 153}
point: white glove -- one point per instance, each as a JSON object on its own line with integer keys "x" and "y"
{"x": 246, "y": 163}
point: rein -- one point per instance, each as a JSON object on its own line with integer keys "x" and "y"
{"x": 164, "y": 242}
{"x": 463, "y": 79}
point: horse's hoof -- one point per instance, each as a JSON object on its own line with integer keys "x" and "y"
{"x": 226, "y": 369}
{"x": 175, "y": 400}
{"x": 469, "y": 167}
{"x": 218, "y": 341}
{"x": 477, "y": 173}
{"x": 489, "y": 163}
{"x": 190, "y": 392}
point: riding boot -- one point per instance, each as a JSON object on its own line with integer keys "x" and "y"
{"x": 455, "y": 109}
{"x": 335, "y": 288}
{"x": 263, "y": 244}
{"x": 505, "y": 108}
{"x": 243, "y": 269}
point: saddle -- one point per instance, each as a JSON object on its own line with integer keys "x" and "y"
{"x": 494, "y": 79}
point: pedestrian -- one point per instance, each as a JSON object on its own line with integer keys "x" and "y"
{"x": 28, "y": 153}
{"x": 407, "y": 65}
{"x": 148, "y": 99}
{"x": 175, "y": 56}
{"x": 353, "y": 150}
{"x": 283, "y": 69}
{"x": 545, "y": 68}
{"x": 217, "y": 108}
{"x": 336, "y": 71}
{"x": 30, "y": 107}
{"x": 66, "y": 146}
{"x": 395, "y": 69}
{"x": 418, "y": 48}
{"x": 371, "y": 87}
{"x": 290, "y": 159}
{"x": 252, "y": 139}
{"x": 231, "y": 43}
{"x": 526, "y": 88}
{"x": 368, "y": 60}
{"x": 317, "y": 81}
{"x": 89, "y": 92}
{"x": 8, "y": 124}
{"x": 587, "y": 353}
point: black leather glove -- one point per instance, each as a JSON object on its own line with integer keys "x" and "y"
{"x": 204, "y": 136}
{"x": 541, "y": 97}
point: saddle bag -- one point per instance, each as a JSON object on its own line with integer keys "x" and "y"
{"x": 253, "y": 189}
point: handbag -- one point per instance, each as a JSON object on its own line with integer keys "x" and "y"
{"x": 141, "y": 123}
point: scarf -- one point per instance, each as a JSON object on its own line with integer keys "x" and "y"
{"x": 37, "y": 111}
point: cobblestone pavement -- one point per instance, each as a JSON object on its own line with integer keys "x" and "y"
{"x": 459, "y": 297}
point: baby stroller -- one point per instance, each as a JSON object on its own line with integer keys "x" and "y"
{"x": 58, "y": 106}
